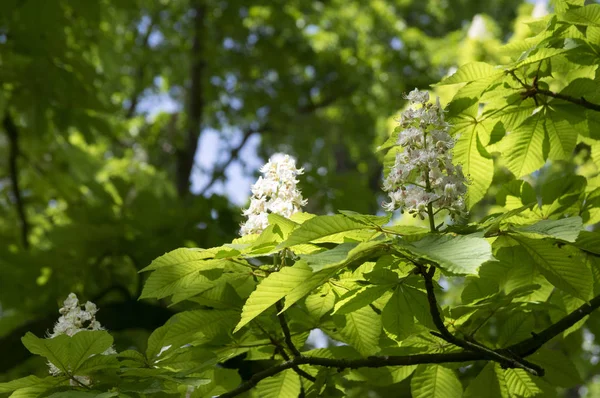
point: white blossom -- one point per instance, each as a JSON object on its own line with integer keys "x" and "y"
{"x": 274, "y": 192}
{"x": 423, "y": 173}
{"x": 73, "y": 320}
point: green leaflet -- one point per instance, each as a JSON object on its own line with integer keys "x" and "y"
{"x": 486, "y": 384}
{"x": 525, "y": 148}
{"x": 470, "y": 72}
{"x": 566, "y": 229}
{"x": 320, "y": 302}
{"x": 458, "y": 255}
{"x": 520, "y": 383}
{"x": 397, "y": 317}
{"x": 29, "y": 381}
{"x": 283, "y": 385}
{"x": 476, "y": 162}
{"x": 325, "y": 229}
{"x": 588, "y": 15}
{"x": 272, "y": 289}
{"x": 69, "y": 353}
{"x": 564, "y": 268}
{"x": 361, "y": 329}
{"x": 435, "y": 381}
{"x": 359, "y": 298}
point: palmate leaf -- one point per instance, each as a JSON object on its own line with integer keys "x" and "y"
{"x": 272, "y": 289}
{"x": 561, "y": 266}
{"x": 397, "y": 317}
{"x": 319, "y": 229}
{"x": 435, "y": 381}
{"x": 486, "y": 384}
{"x": 283, "y": 385}
{"x": 69, "y": 353}
{"x": 458, "y": 255}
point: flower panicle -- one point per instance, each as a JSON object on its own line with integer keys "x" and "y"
{"x": 423, "y": 173}
{"x": 275, "y": 192}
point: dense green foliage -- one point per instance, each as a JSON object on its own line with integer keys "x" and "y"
{"x": 95, "y": 189}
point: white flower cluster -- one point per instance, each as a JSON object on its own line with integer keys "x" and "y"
{"x": 73, "y": 320}
{"x": 423, "y": 173}
{"x": 274, "y": 192}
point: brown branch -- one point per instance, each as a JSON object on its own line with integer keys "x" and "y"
{"x": 532, "y": 90}
{"x": 523, "y": 349}
{"x": 13, "y": 138}
{"x": 195, "y": 107}
{"x": 444, "y": 333}
{"x": 286, "y": 329}
{"x": 141, "y": 69}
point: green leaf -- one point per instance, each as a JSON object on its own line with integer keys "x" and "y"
{"x": 458, "y": 255}
{"x": 362, "y": 329}
{"x": 520, "y": 383}
{"x": 515, "y": 328}
{"x": 342, "y": 254}
{"x": 272, "y": 289}
{"x": 367, "y": 219}
{"x": 589, "y": 241}
{"x": 29, "y": 381}
{"x": 285, "y": 384}
{"x": 562, "y": 267}
{"x": 69, "y": 353}
{"x": 566, "y": 229}
{"x": 181, "y": 256}
{"x": 320, "y": 302}
{"x": 476, "y": 162}
{"x": 588, "y": 15}
{"x": 524, "y": 146}
{"x": 314, "y": 281}
{"x": 359, "y": 298}
{"x": 486, "y": 384}
{"x": 470, "y": 72}
{"x": 322, "y": 228}
{"x": 560, "y": 369}
{"x": 435, "y": 381}
{"x": 397, "y": 317}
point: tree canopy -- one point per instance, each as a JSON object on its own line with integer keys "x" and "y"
{"x": 105, "y": 198}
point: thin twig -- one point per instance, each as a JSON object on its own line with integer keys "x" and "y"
{"x": 286, "y": 329}
{"x": 533, "y": 90}
{"x": 13, "y": 138}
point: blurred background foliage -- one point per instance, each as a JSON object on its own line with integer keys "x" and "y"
{"x": 104, "y": 106}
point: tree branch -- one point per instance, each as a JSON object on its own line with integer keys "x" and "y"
{"x": 13, "y": 139}
{"x": 524, "y": 348}
{"x": 187, "y": 150}
{"x": 445, "y": 334}
{"x": 140, "y": 71}
{"x": 532, "y": 90}
{"x": 286, "y": 329}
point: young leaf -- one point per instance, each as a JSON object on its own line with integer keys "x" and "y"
{"x": 435, "y": 381}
